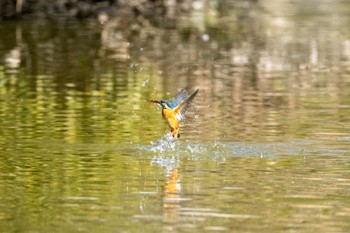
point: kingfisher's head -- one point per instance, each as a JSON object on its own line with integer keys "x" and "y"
{"x": 165, "y": 104}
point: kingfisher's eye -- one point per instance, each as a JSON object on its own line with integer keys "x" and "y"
{"x": 164, "y": 104}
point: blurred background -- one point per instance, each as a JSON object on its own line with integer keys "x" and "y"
{"x": 265, "y": 146}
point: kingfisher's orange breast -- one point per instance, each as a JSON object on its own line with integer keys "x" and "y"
{"x": 170, "y": 116}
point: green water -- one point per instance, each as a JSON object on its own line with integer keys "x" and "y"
{"x": 265, "y": 146}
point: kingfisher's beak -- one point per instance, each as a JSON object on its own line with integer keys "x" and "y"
{"x": 156, "y": 102}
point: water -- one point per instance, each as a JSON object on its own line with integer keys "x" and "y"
{"x": 265, "y": 146}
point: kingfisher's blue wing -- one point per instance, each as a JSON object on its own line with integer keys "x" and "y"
{"x": 181, "y": 96}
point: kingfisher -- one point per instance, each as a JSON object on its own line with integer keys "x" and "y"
{"x": 174, "y": 110}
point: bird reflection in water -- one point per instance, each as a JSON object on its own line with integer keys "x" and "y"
{"x": 171, "y": 200}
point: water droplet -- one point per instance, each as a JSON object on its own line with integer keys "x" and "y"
{"x": 205, "y": 37}
{"x": 145, "y": 82}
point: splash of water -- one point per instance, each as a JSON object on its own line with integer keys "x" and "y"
{"x": 165, "y": 143}
{"x": 169, "y": 163}
{"x": 168, "y": 146}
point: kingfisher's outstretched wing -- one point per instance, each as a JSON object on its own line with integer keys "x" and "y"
{"x": 180, "y": 110}
{"x": 174, "y": 102}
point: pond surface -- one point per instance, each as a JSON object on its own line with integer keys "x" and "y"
{"x": 265, "y": 146}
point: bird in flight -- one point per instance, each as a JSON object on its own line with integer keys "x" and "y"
{"x": 174, "y": 110}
